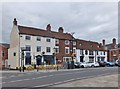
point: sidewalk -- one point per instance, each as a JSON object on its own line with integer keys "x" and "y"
{"x": 102, "y": 81}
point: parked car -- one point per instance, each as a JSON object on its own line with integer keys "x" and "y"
{"x": 89, "y": 64}
{"x": 77, "y": 64}
{"x": 117, "y": 63}
{"x": 102, "y": 63}
{"x": 110, "y": 63}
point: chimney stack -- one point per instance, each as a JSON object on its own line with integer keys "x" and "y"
{"x": 114, "y": 43}
{"x": 15, "y": 22}
{"x": 48, "y": 28}
{"x": 60, "y": 29}
{"x": 103, "y": 41}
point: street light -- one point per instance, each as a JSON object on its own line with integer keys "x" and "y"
{"x": 22, "y": 56}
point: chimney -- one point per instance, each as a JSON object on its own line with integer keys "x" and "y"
{"x": 48, "y": 28}
{"x": 114, "y": 43}
{"x": 15, "y": 22}
{"x": 103, "y": 41}
{"x": 60, "y": 29}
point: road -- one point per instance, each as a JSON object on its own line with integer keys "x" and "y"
{"x": 39, "y": 79}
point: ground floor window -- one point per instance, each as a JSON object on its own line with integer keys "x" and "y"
{"x": 91, "y": 59}
{"x": 49, "y": 59}
{"x": 81, "y": 58}
{"x": 38, "y": 60}
{"x": 28, "y": 59}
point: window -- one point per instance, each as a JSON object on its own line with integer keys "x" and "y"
{"x": 66, "y": 50}
{"x": 38, "y": 38}
{"x": 104, "y": 53}
{"x": 67, "y": 42}
{"x": 47, "y": 49}
{"x": 86, "y": 52}
{"x": 27, "y": 37}
{"x": 74, "y": 43}
{"x": 28, "y": 59}
{"x": 14, "y": 54}
{"x": 74, "y": 50}
{"x": 57, "y": 50}
{"x": 38, "y": 48}
{"x": 90, "y": 52}
{"x": 48, "y": 40}
{"x": 81, "y": 51}
{"x": 97, "y": 52}
{"x": 57, "y": 41}
{"x": 91, "y": 59}
{"x": 3, "y": 53}
{"x": 28, "y": 48}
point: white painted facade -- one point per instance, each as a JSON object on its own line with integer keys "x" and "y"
{"x": 96, "y": 57}
{"x": 18, "y": 41}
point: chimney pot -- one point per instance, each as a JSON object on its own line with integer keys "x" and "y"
{"x": 15, "y": 21}
{"x": 60, "y": 29}
{"x": 103, "y": 41}
{"x": 48, "y": 28}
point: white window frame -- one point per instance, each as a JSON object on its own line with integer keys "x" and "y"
{"x": 67, "y": 42}
{"x": 57, "y": 41}
{"x": 74, "y": 42}
{"x": 38, "y": 37}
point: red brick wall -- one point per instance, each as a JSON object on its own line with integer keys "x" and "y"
{"x": 3, "y": 58}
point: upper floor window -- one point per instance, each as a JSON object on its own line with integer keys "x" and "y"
{"x": 74, "y": 50}
{"x": 66, "y": 50}
{"x": 97, "y": 52}
{"x": 48, "y": 49}
{"x": 38, "y": 48}
{"x": 38, "y": 38}
{"x": 14, "y": 54}
{"x": 67, "y": 42}
{"x": 28, "y": 48}
{"x": 3, "y": 53}
{"x": 86, "y": 52}
{"x": 57, "y": 50}
{"x": 104, "y": 53}
{"x": 48, "y": 40}
{"x": 91, "y": 52}
{"x": 81, "y": 51}
{"x": 74, "y": 42}
{"x": 27, "y": 37}
{"x": 57, "y": 41}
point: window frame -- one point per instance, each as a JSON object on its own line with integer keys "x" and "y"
{"x": 27, "y": 37}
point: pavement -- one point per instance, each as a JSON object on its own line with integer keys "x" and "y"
{"x": 52, "y": 77}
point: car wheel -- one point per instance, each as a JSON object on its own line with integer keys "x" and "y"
{"x": 82, "y": 66}
{"x": 92, "y": 66}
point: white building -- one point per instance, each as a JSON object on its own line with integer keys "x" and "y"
{"x": 36, "y": 46}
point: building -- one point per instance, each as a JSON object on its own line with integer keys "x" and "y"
{"x": 4, "y": 55}
{"x": 44, "y": 46}
{"x": 113, "y": 50}
{"x": 88, "y": 51}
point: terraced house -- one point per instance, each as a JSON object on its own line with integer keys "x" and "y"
{"x": 44, "y": 46}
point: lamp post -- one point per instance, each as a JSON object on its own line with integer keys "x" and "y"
{"x": 22, "y": 56}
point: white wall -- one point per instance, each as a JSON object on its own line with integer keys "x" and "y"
{"x": 34, "y": 43}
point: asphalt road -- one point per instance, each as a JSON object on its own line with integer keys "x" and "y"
{"x": 39, "y": 79}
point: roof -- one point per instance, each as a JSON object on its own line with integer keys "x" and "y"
{"x": 110, "y": 46}
{"x": 6, "y": 45}
{"x": 89, "y": 45}
{"x": 44, "y": 33}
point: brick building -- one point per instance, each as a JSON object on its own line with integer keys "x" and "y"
{"x": 113, "y": 50}
{"x": 45, "y": 46}
{"x": 4, "y": 55}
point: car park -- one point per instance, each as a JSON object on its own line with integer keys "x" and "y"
{"x": 89, "y": 64}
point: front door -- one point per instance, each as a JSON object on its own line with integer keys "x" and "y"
{"x": 39, "y": 60}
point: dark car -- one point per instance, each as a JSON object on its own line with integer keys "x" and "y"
{"x": 77, "y": 64}
{"x": 110, "y": 63}
{"x": 102, "y": 63}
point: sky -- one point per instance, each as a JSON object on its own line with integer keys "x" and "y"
{"x": 92, "y": 21}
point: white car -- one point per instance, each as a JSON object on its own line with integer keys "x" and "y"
{"x": 89, "y": 64}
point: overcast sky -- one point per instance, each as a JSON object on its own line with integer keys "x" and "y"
{"x": 89, "y": 20}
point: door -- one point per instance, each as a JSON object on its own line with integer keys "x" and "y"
{"x": 39, "y": 60}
